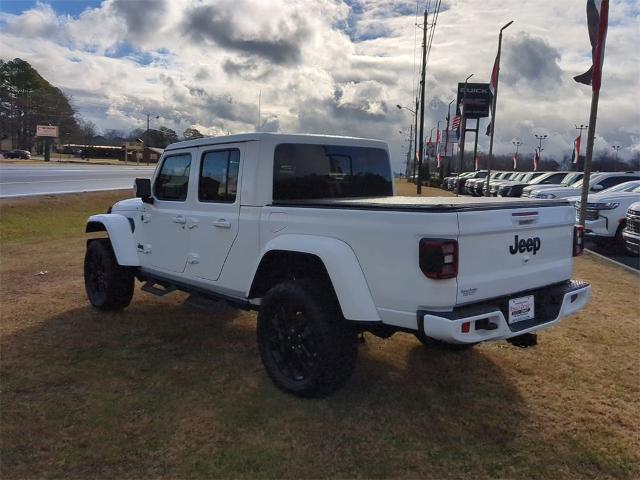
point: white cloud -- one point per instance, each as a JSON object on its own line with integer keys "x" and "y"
{"x": 326, "y": 66}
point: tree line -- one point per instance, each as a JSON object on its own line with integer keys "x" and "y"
{"x": 27, "y": 100}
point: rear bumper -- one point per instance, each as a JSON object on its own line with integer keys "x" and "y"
{"x": 551, "y": 305}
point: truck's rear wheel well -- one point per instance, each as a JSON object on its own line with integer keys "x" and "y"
{"x": 278, "y": 266}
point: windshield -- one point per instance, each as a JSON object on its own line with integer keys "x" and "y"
{"x": 570, "y": 179}
{"x": 540, "y": 178}
{"x": 578, "y": 184}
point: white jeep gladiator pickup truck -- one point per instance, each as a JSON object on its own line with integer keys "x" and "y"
{"x": 306, "y": 229}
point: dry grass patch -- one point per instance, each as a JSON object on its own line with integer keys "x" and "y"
{"x": 161, "y": 389}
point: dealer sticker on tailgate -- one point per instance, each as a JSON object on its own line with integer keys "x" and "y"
{"x": 521, "y": 309}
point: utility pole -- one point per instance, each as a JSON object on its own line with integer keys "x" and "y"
{"x": 145, "y": 144}
{"x": 415, "y": 133}
{"x": 493, "y": 106}
{"x": 415, "y": 140}
{"x": 408, "y": 169}
{"x": 422, "y": 88}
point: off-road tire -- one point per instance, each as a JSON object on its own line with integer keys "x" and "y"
{"x": 306, "y": 346}
{"x": 109, "y": 286}
{"x": 432, "y": 342}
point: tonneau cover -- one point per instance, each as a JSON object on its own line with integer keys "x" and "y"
{"x": 444, "y": 204}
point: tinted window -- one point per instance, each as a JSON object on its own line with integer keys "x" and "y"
{"x": 219, "y": 176}
{"x": 302, "y": 171}
{"x": 172, "y": 182}
{"x": 611, "y": 181}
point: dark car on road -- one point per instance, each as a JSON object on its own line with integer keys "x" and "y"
{"x": 20, "y": 154}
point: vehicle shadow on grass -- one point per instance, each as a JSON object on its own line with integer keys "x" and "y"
{"x": 160, "y": 389}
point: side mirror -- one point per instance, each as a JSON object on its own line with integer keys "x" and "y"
{"x": 142, "y": 188}
{"x": 596, "y": 188}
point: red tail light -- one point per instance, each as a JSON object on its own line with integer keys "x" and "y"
{"x": 439, "y": 258}
{"x": 578, "y": 240}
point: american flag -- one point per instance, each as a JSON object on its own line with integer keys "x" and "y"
{"x": 576, "y": 149}
{"x": 536, "y": 159}
{"x": 516, "y": 157}
{"x": 455, "y": 124}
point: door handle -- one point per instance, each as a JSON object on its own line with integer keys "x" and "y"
{"x": 181, "y": 219}
{"x": 222, "y": 223}
{"x": 192, "y": 223}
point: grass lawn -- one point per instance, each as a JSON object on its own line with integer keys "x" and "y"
{"x": 164, "y": 390}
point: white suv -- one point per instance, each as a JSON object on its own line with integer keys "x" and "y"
{"x": 598, "y": 183}
{"x": 606, "y": 212}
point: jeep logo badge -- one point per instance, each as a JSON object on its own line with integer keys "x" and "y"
{"x": 522, "y": 245}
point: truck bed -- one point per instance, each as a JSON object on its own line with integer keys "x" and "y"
{"x": 431, "y": 204}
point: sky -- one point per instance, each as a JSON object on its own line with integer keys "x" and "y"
{"x": 329, "y": 66}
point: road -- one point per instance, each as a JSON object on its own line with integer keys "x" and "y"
{"x": 30, "y": 180}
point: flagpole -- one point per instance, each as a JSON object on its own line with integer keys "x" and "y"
{"x": 591, "y": 133}
{"x": 493, "y": 108}
{"x": 446, "y": 143}
{"x": 598, "y": 59}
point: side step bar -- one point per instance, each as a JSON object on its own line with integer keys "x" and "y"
{"x": 161, "y": 286}
{"x": 150, "y": 287}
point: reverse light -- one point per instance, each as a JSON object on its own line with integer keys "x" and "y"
{"x": 578, "y": 240}
{"x": 439, "y": 258}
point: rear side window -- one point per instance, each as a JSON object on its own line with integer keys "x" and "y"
{"x": 304, "y": 172}
{"x": 611, "y": 181}
{"x": 219, "y": 176}
{"x": 172, "y": 182}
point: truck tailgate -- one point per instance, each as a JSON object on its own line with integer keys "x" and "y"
{"x": 512, "y": 250}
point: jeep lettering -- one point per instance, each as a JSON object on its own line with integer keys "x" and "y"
{"x": 528, "y": 245}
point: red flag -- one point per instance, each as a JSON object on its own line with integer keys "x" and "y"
{"x": 516, "y": 157}
{"x": 494, "y": 77}
{"x": 602, "y": 38}
{"x": 597, "y": 21}
{"x": 576, "y": 149}
{"x": 536, "y": 159}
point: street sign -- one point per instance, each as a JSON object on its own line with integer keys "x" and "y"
{"x": 477, "y": 99}
{"x": 133, "y": 146}
{"x": 46, "y": 131}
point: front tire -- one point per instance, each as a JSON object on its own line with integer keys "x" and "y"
{"x": 306, "y": 346}
{"x": 109, "y": 286}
